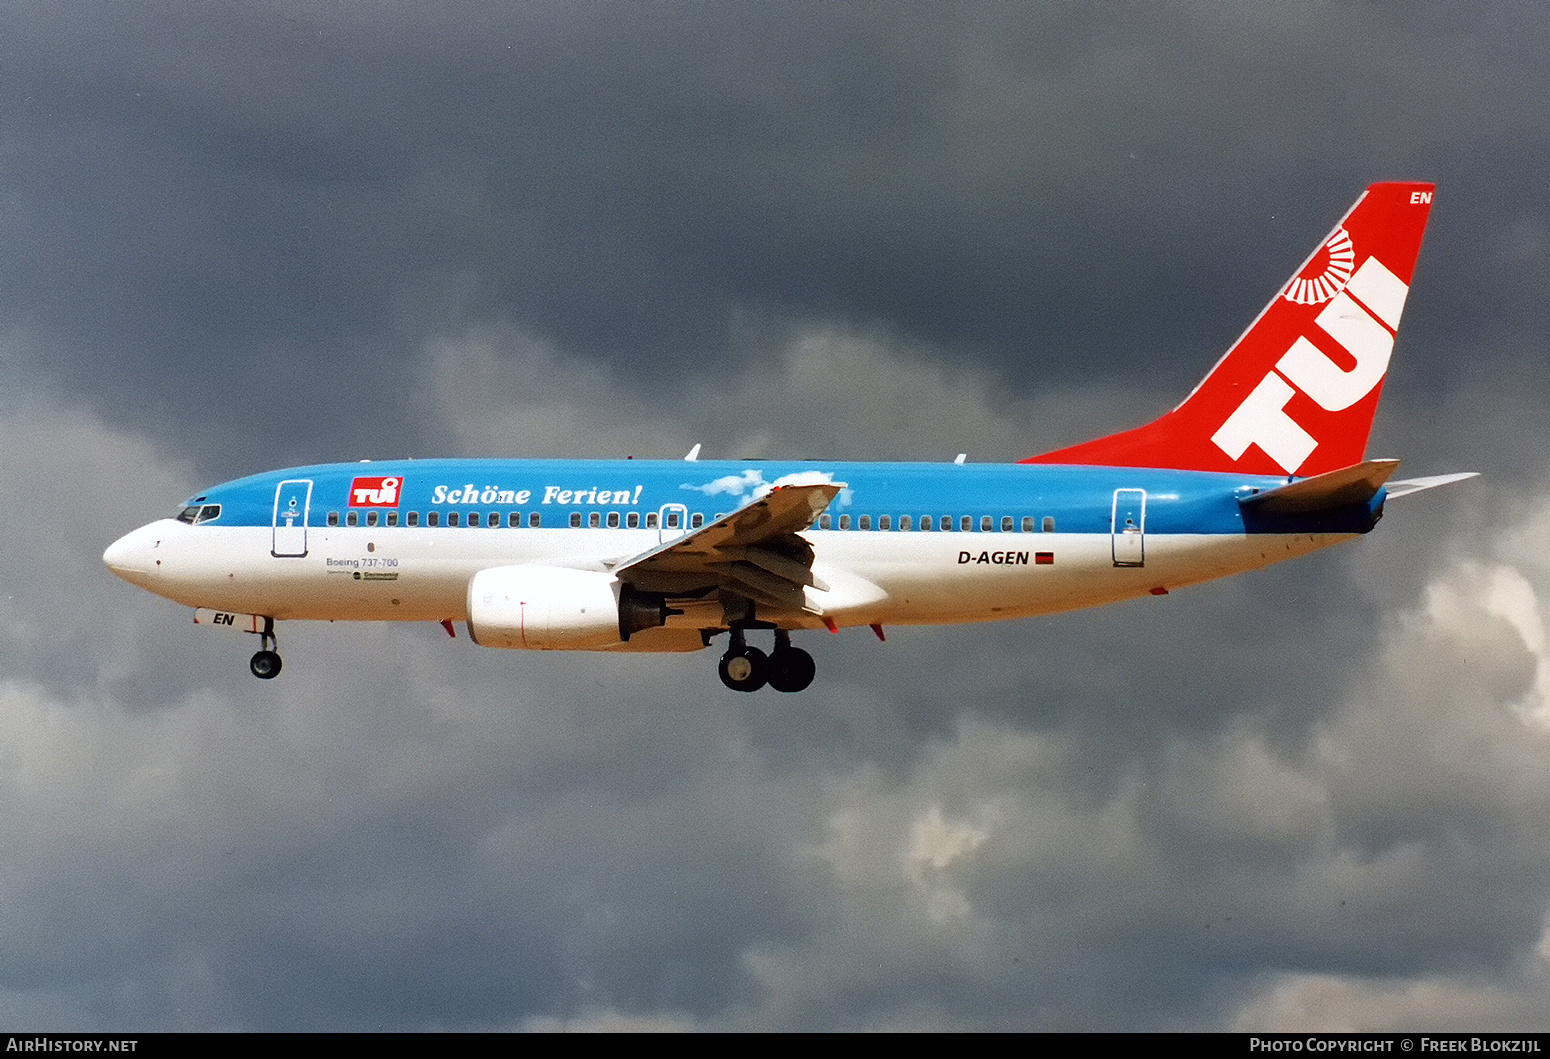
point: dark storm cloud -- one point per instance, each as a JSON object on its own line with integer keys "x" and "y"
{"x": 240, "y": 197}
{"x": 241, "y": 236}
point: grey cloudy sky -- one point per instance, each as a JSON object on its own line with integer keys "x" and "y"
{"x": 234, "y": 237}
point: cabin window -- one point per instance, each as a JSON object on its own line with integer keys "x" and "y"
{"x": 613, "y": 520}
{"x": 535, "y": 520}
{"x": 966, "y": 523}
{"x": 1049, "y": 523}
{"x": 473, "y": 518}
{"x": 413, "y": 519}
{"x": 904, "y": 522}
{"x": 392, "y": 518}
{"x": 632, "y": 520}
{"x": 844, "y": 522}
{"x": 696, "y": 520}
{"x": 514, "y": 520}
{"x": 925, "y": 522}
{"x": 672, "y": 520}
{"x": 947, "y": 523}
{"x": 651, "y": 520}
{"x": 1027, "y": 523}
{"x": 352, "y": 519}
{"x": 594, "y": 520}
{"x": 333, "y": 518}
{"x": 825, "y": 522}
{"x": 452, "y": 517}
{"x": 371, "y": 518}
{"x": 493, "y": 520}
{"x": 433, "y": 519}
{"x": 885, "y": 522}
{"x": 575, "y": 520}
{"x": 984, "y": 523}
{"x": 866, "y": 522}
{"x": 1006, "y": 523}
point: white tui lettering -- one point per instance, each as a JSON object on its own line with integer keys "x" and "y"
{"x": 1262, "y": 420}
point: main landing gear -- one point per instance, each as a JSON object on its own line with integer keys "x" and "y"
{"x": 745, "y": 668}
{"x": 266, "y": 663}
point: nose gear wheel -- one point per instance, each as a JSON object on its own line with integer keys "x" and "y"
{"x": 265, "y": 665}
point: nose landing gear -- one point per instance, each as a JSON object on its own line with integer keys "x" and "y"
{"x": 745, "y": 668}
{"x": 266, "y": 663}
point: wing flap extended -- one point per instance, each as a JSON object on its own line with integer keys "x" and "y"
{"x": 749, "y": 580}
{"x": 1356, "y": 484}
{"x": 791, "y": 570}
{"x": 754, "y": 552}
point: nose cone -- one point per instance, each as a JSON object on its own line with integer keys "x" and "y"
{"x": 133, "y": 556}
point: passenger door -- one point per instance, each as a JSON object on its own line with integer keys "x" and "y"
{"x": 1127, "y": 530}
{"x": 292, "y": 501}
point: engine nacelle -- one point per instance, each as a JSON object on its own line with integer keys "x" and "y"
{"x": 550, "y": 608}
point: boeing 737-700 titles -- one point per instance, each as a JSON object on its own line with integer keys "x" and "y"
{"x": 1264, "y": 461}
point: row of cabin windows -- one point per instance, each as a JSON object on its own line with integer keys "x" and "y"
{"x": 632, "y": 520}
{"x": 455, "y": 518}
{"x": 987, "y": 523}
{"x": 513, "y": 519}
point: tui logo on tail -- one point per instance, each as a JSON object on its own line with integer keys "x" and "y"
{"x": 1296, "y": 394}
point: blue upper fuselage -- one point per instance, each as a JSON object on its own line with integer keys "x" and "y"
{"x": 1019, "y": 497}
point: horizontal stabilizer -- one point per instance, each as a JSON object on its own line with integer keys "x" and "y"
{"x": 1415, "y": 485}
{"x": 1356, "y": 484}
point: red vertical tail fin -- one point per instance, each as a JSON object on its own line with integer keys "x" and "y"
{"x": 1296, "y": 394}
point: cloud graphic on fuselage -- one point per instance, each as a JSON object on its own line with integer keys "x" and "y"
{"x": 734, "y": 485}
{"x": 751, "y": 484}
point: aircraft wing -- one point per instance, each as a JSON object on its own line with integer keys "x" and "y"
{"x": 755, "y": 551}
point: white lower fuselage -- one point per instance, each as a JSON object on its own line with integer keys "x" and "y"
{"x": 898, "y": 578}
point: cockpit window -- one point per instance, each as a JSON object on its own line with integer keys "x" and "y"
{"x": 194, "y": 514}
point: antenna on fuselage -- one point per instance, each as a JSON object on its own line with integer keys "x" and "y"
{"x": 694, "y": 453}
{"x": 958, "y": 459}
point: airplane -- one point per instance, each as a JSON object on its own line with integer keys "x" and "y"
{"x": 1262, "y": 462}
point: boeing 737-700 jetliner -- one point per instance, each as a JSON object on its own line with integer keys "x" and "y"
{"x": 1262, "y": 462}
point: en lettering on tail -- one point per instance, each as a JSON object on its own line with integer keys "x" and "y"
{"x": 1296, "y": 394}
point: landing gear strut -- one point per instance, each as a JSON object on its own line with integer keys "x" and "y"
{"x": 266, "y": 663}
{"x": 745, "y": 668}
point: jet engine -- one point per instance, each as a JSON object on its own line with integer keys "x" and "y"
{"x": 550, "y": 608}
